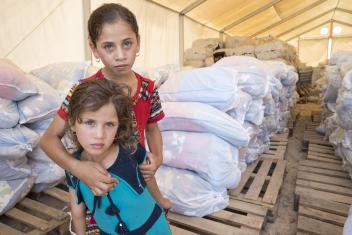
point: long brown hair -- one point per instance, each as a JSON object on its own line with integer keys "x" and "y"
{"x": 90, "y": 95}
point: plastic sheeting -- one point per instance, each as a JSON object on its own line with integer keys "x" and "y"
{"x": 215, "y": 160}
{"x": 215, "y": 86}
{"x": 189, "y": 193}
{"x": 198, "y": 117}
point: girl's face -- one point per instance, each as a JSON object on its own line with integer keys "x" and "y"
{"x": 97, "y": 131}
{"x": 116, "y": 46}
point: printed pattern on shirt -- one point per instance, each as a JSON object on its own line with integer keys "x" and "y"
{"x": 155, "y": 107}
{"x": 67, "y": 100}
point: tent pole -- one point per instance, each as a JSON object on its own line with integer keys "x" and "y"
{"x": 298, "y": 41}
{"x": 181, "y": 33}
{"x": 86, "y": 13}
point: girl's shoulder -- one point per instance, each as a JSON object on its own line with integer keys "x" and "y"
{"x": 145, "y": 82}
{"x": 98, "y": 75}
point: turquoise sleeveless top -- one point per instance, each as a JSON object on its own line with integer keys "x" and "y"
{"x": 128, "y": 209}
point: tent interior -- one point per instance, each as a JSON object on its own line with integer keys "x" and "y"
{"x": 247, "y": 103}
{"x": 39, "y": 32}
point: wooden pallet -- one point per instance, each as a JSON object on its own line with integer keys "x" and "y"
{"x": 323, "y": 153}
{"x": 324, "y": 180}
{"x": 238, "y": 218}
{"x": 261, "y": 183}
{"x": 37, "y": 214}
{"x": 312, "y": 137}
{"x": 321, "y": 216}
{"x": 279, "y": 139}
{"x": 316, "y": 116}
{"x": 275, "y": 151}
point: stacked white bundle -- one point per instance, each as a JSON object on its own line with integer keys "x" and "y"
{"x": 214, "y": 86}
{"x": 15, "y": 141}
{"x": 338, "y": 102}
{"x": 201, "y": 53}
{"x": 30, "y": 100}
{"x": 261, "y": 86}
{"x": 200, "y": 138}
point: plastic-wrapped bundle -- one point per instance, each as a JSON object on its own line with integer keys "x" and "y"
{"x": 41, "y": 106}
{"x": 40, "y": 126}
{"x": 264, "y": 134}
{"x": 9, "y": 115}
{"x": 189, "y": 193}
{"x": 253, "y": 81}
{"x": 345, "y": 67}
{"x": 340, "y": 57}
{"x": 270, "y": 106}
{"x": 255, "y": 113}
{"x": 214, "y": 159}
{"x": 275, "y": 88}
{"x": 197, "y": 53}
{"x": 198, "y": 117}
{"x": 14, "y": 85}
{"x": 330, "y": 124}
{"x": 16, "y": 142}
{"x": 161, "y": 74}
{"x": 12, "y": 191}
{"x": 271, "y": 123}
{"x": 253, "y": 74}
{"x": 241, "y": 106}
{"x": 251, "y": 129}
{"x": 54, "y": 74}
{"x": 46, "y": 172}
{"x": 347, "y": 228}
{"x": 330, "y": 94}
{"x": 254, "y": 149}
{"x": 333, "y": 76}
{"x": 210, "y": 43}
{"x": 46, "y": 175}
{"x": 215, "y": 86}
{"x": 291, "y": 78}
{"x": 344, "y": 110}
{"x": 278, "y": 68}
{"x": 14, "y": 169}
{"x": 341, "y": 136}
{"x": 347, "y": 82}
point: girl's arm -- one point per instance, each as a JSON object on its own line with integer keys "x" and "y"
{"x": 155, "y": 143}
{"x": 78, "y": 212}
{"x": 91, "y": 173}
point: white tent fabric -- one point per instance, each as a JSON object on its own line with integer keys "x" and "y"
{"x": 35, "y": 33}
{"x": 314, "y": 51}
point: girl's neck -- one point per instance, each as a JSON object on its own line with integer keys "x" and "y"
{"x": 126, "y": 79}
{"x": 129, "y": 80}
{"x": 106, "y": 159}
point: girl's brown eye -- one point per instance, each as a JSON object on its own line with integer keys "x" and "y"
{"x": 127, "y": 44}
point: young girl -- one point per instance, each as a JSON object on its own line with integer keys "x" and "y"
{"x": 101, "y": 125}
{"x": 114, "y": 39}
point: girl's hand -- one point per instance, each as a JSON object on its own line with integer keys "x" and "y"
{"x": 96, "y": 177}
{"x": 149, "y": 167}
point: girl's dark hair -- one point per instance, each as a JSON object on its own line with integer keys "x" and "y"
{"x": 109, "y": 13}
{"x": 90, "y": 95}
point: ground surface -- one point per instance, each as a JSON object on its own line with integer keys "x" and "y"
{"x": 286, "y": 219}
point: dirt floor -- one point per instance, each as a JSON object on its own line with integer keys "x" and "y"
{"x": 285, "y": 222}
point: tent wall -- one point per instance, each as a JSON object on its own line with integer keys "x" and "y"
{"x": 35, "y": 33}
{"x": 195, "y": 31}
{"x": 39, "y": 32}
{"x": 313, "y": 52}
